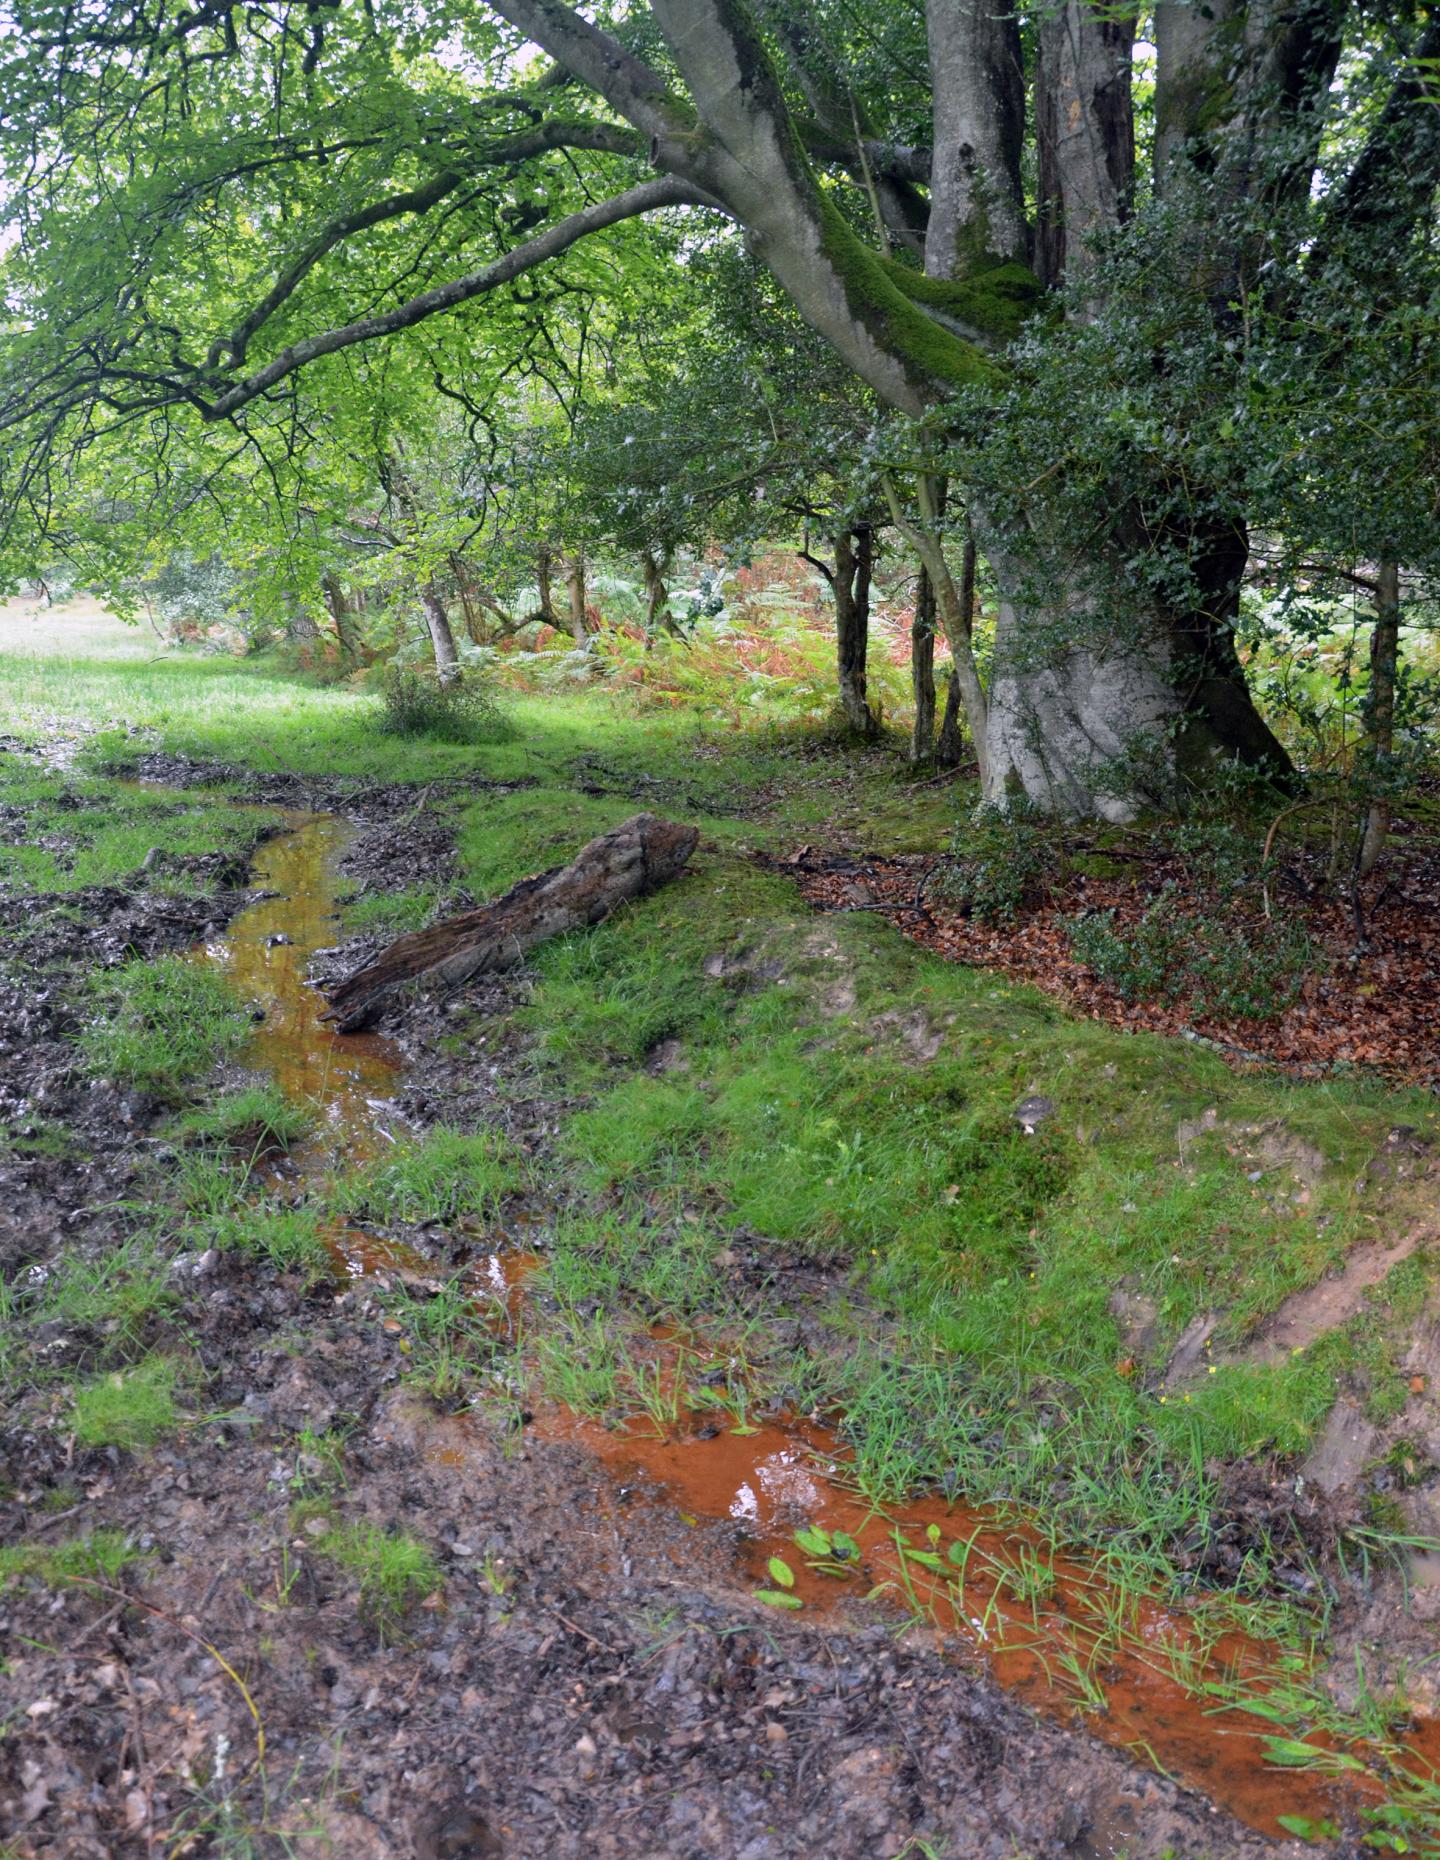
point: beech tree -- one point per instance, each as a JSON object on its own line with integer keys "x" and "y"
{"x": 213, "y": 201}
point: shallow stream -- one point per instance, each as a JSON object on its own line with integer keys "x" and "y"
{"x": 1073, "y": 1644}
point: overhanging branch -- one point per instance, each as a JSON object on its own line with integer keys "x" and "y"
{"x": 649, "y": 197}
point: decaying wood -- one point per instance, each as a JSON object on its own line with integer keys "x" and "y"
{"x": 640, "y": 854}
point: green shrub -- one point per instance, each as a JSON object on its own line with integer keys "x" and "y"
{"x": 414, "y": 703}
{"x": 1002, "y": 860}
{"x": 1231, "y": 966}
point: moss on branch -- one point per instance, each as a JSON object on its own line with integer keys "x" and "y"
{"x": 929, "y": 352}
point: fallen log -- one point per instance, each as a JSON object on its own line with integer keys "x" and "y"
{"x": 640, "y": 854}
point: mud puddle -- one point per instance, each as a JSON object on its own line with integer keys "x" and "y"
{"x": 1070, "y": 1643}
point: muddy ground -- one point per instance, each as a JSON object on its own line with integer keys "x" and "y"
{"x": 591, "y": 1678}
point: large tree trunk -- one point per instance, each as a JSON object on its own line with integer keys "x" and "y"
{"x": 850, "y": 583}
{"x": 1073, "y": 704}
{"x": 442, "y": 640}
{"x": 1380, "y": 711}
{"x": 1084, "y": 132}
{"x": 922, "y": 669}
{"x": 1098, "y": 711}
{"x": 640, "y": 854}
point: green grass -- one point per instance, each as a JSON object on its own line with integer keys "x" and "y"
{"x": 116, "y": 1298}
{"x": 102, "y": 1557}
{"x": 127, "y": 1408}
{"x": 445, "y": 1175}
{"x": 289, "y": 1239}
{"x": 955, "y": 1305}
{"x": 70, "y": 831}
{"x": 255, "y": 1118}
{"x": 160, "y": 1025}
{"x": 394, "y": 912}
{"x": 394, "y": 1570}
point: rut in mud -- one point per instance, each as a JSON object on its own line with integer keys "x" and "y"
{"x": 592, "y": 1674}
{"x": 962, "y": 1569}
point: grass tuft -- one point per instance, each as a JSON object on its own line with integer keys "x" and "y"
{"x": 127, "y": 1408}
{"x": 158, "y": 1026}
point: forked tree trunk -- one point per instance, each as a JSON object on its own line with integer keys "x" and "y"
{"x": 640, "y": 854}
{"x": 922, "y": 669}
{"x": 1380, "y": 711}
{"x": 949, "y": 744}
{"x": 470, "y": 601}
{"x": 956, "y": 606}
{"x": 442, "y": 640}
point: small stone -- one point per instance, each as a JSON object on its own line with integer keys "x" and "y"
{"x": 585, "y": 1745}
{"x": 1030, "y": 1113}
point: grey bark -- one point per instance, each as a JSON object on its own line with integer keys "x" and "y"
{"x": 1085, "y": 134}
{"x": 575, "y": 596}
{"x": 640, "y": 854}
{"x": 922, "y": 669}
{"x": 442, "y": 640}
{"x": 977, "y": 204}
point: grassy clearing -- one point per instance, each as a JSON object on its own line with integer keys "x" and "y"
{"x": 159, "y": 1026}
{"x": 755, "y": 1083}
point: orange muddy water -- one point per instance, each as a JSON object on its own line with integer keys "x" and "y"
{"x": 1049, "y": 1628}
{"x": 345, "y": 1080}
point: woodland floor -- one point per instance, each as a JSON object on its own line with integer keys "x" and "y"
{"x": 456, "y": 1532}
